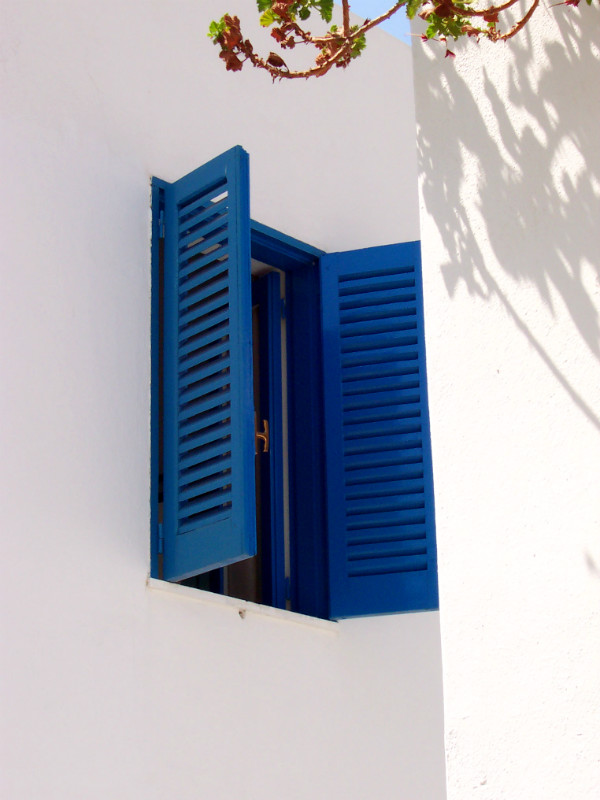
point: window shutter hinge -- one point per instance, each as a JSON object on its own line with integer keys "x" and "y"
{"x": 283, "y": 309}
{"x": 161, "y": 539}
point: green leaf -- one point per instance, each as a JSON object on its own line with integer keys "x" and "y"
{"x": 325, "y": 9}
{"x": 304, "y": 13}
{"x": 412, "y": 7}
{"x": 264, "y": 5}
{"x": 216, "y": 28}
{"x": 358, "y": 46}
{"x": 268, "y": 18}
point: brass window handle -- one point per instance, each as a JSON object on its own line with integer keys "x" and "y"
{"x": 261, "y": 436}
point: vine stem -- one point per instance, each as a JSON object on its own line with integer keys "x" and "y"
{"x": 346, "y": 17}
{"x": 371, "y": 23}
{"x": 473, "y": 12}
{"x": 276, "y": 72}
{"x": 521, "y": 23}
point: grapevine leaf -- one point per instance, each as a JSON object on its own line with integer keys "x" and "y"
{"x": 268, "y": 18}
{"x": 412, "y": 7}
{"x": 215, "y": 28}
{"x": 326, "y": 9}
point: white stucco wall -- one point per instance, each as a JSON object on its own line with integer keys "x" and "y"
{"x": 111, "y": 689}
{"x": 509, "y": 161}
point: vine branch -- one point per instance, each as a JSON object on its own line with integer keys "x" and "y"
{"x": 337, "y": 47}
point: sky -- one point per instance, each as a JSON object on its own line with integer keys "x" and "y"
{"x": 398, "y": 25}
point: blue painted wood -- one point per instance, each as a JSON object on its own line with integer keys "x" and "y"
{"x": 300, "y": 262}
{"x": 266, "y": 293}
{"x": 209, "y": 505}
{"x": 307, "y": 474}
{"x": 280, "y": 250}
{"x": 156, "y": 469}
{"x": 380, "y": 508}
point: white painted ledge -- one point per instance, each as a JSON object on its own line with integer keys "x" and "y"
{"x": 242, "y": 607}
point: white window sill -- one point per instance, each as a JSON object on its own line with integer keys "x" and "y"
{"x": 242, "y": 608}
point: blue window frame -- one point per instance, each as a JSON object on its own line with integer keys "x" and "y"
{"x": 361, "y": 514}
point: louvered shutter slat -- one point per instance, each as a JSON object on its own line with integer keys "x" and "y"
{"x": 213, "y": 270}
{"x": 381, "y": 536}
{"x": 209, "y": 516}
{"x": 207, "y": 261}
{"x": 200, "y": 477}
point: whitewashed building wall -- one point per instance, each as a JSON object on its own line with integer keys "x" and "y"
{"x": 113, "y": 689}
{"x": 509, "y": 162}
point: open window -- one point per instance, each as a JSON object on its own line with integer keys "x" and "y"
{"x": 315, "y": 474}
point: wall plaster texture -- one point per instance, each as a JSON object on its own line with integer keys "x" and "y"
{"x": 509, "y": 174}
{"x": 110, "y": 687}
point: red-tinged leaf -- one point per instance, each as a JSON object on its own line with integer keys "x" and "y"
{"x": 232, "y": 35}
{"x": 276, "y": 61}
{"x": 444, "y": 10}
{"x": 281, "y": 8}
{"x": 278, "y": 34}
{"x": 231, "y": 39}
{"x": 232, "y": 62}
{"x": 449, "y": 54}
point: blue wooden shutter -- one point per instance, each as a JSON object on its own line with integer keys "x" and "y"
{"x": 209, "y": 502}
{"x": 381, "y": 536}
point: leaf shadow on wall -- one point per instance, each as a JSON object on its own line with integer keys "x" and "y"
{"x": 534, "y": 152}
